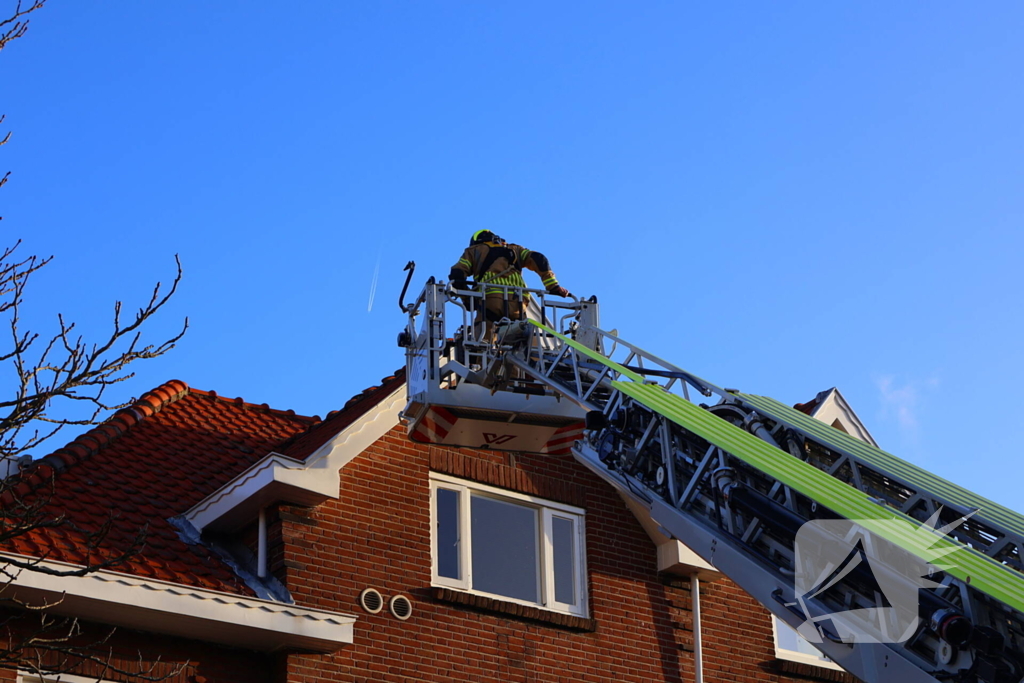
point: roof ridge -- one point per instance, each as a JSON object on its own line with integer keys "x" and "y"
{"x": 364, "y": 394}
{"x": 88, "y": 443}
{"x": 263, "y": 407}
{"x": 346, "y": 411}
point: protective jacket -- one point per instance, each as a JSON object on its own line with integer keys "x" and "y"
{"x": 502, "y": 264}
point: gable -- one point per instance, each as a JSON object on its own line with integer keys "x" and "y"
{"x": 308, "y": 481}
{"x": 831, "y": 407}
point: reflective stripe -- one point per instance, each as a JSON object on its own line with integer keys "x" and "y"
{"x": 524, "y": 254}
{"x": 465, "y": 262}
{"x": 515, "y": 279}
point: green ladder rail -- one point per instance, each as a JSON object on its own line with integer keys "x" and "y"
{"x": 1005, "y": 528}
{"x": 983, "y": 573}
{"x": 667, "y": 452}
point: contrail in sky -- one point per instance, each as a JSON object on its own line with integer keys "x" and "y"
{"x": 373, "y": 283}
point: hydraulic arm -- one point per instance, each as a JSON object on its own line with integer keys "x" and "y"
{"x": 893, "y": 573}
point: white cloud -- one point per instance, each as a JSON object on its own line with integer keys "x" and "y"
{"x": 900, "y": 400}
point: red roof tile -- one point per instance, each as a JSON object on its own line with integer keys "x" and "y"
{"x": 810, "y": 406}
{"x": 155, "y": 460}
{"x": 303, "y": 445}
{"x": 807, "y": 408}
{"x": 147, "y": 463}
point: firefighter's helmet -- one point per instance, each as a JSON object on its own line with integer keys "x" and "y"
{"x": 483, "y": 236}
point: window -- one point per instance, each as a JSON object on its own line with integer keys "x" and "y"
{"x": 507, "y": 545}
{"x": 25, "y": 677}
{"x": 792, "y": 646}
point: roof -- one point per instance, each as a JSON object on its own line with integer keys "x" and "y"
{"x": 301, "y": 446}
{"x": 809, "y": 407}
{"x": 153, "y": 461}
{"x": 831, "y": 407}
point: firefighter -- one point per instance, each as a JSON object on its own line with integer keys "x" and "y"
{"x": 490, "y": 260}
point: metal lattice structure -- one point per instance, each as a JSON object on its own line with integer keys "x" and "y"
{"x": 739, "y": 481}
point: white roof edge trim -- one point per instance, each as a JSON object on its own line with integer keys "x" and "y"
{"x": 674, "y": 556}
{"x": 29, "y": 677}
{"x": 166, "y": 607}
{"x": 835, "y": 406}
{"x": 303, "y": 474}
{"x": 361, "y": 434}
{"x": 258, "y": 475}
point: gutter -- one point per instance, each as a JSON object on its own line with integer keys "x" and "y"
{"x": 178, "y": 610}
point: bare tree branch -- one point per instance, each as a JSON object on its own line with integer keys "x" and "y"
{"x": 65, "y": 369}
{"x": 32, "y": 637}
{"x": 15, "y": 26}
{"x": 59, "y": 645}
{"x": 12, "y": 28}
{"x": 56, "y": 375}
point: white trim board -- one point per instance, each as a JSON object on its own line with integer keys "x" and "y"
{"x": 819, "y": 659}
{"x": 832, "y": 406}
{"x": 27, "y": 677}
{"x": 306, "y": 482}
{"x": 178, "y": 610}
{"x": 673, "y": 556}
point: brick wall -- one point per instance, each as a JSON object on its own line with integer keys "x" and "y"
{"x": 144, "y": 656}
{"x": 640, "y": 626}
{"x": 377, "y": 535}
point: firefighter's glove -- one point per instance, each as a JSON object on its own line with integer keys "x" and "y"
{"x": 559, "y": 290}
{"x": 458, "y": 278}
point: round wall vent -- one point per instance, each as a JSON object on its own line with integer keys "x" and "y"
{"x": 401, "y": 607}
{"x": 371, "y": 600}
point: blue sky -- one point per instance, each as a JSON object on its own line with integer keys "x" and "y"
{"x": 779, "y": 197}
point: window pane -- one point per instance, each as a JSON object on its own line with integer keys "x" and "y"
{"x": 504, "y": 549}
{"x": 448, "y": 534}
{"x": 564, "y": 560}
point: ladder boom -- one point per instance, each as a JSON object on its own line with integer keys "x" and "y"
{"x": 764, "y": 493}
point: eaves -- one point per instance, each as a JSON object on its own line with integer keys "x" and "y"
{"x": 309, "y": 482}
{"x": 175, "y": 609}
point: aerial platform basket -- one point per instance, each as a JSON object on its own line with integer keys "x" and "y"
{"x": 746, "y": 483}
{"x": 462, "y": 392}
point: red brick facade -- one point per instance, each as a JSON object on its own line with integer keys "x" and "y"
{"x": 152, "y": 657}
{"x": 377, "y": 534}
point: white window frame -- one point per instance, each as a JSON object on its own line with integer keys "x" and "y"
{"x": 795, "y": 655}
{"x": 26, "y": 677}
{"x": 547, "y": 511}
